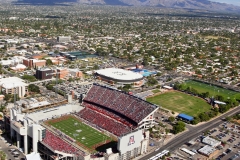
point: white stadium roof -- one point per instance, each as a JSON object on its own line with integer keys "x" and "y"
{"x": 120, "y": 74}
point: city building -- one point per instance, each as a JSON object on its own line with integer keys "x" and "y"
{"x": 44, "y": 73}
{"x": 75, "y": 73}
{"x": 208, "y": 151}
{"x": 13, "y": 85}
{"x": 210, "y": 141}
{"x": 119, "y": 76}
{"x": 62, "y": 39}
{"x": 34, "y": 63}
{"x": 62, "y": 73}
{"x": 19, "y": 67}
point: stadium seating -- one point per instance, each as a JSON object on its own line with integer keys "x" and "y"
{"x": 128, "y": 105}
{"x": 109, "y": 114}
{"x": 56, "y": 143}
{"x": 104, "y": 122}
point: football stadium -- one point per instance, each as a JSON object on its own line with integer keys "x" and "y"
{"x": 108, "y": 124}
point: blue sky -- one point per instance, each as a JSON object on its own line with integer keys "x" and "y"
{"x": 235, "y": 2}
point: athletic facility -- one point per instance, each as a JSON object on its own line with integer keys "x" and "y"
{"x": 108, "y": 124}
{"x": 212, "y": 89}
{"x": 84, "y": 135}
{"x": 121, "y": 76}
{"x": 180, "y": 102}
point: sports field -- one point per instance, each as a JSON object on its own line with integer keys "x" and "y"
{"x": 180, "y": 102}
{"x": 213, "y": 90}
{"x": 79, "y": 131}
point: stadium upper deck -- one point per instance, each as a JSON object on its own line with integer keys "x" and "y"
{"x": 127, "y": 105}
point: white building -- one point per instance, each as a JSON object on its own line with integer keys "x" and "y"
{"x": 211, "y": 142}
{"x": 62, "y": 39}
{"x": 13, "y": 85}
{"x": 207, "y": 150}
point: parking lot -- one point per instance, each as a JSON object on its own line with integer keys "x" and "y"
{"x": 229, "y": 148}
{"x": 11, "y": 151}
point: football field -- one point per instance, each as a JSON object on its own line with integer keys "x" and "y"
{"x": 212, "y": 89}
{"x": 79, "y": 131}
{"x": 180, "y": 102}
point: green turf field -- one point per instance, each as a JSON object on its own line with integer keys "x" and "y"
{"x": 213, "y": 90}
{"x": 181, "y": 103}
{"x": 80, "y": 131}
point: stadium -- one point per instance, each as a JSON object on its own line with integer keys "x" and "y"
{"x": 120, "y": 76}
{"x": 108, "y": 124}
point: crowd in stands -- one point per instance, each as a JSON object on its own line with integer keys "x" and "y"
{"x": 108, "y": 113}
{"x": 57, "y": 143}
{"x": 104, "y": 122}
{"x": 128, "y": 105}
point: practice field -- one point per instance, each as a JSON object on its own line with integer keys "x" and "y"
{"x": 79, "y": 131}
{"x": 180, "y": 102}
{"x": 213, "y": 90}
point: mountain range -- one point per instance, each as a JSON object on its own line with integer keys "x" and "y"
{"x": 187, "y": 4}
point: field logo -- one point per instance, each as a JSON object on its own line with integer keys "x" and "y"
{"x": 131, "y": 140}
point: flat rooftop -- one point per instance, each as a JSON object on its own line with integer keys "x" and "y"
{"x": 121, "y": 74}
{"x": 12, "y": 82}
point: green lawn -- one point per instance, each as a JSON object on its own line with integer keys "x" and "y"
{"x": 80, "y": 132}
{"x": 213, "y": 90}
{"x": 181, "y": 103}
{"x": 156, "y": 91}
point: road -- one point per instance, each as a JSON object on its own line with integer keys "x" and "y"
{"x": 8, "y": 72}
{"x": 193, "y": 132}
{"x": 5, "y": 148}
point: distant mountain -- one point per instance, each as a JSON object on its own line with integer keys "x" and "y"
{"x": 187, "y": 4}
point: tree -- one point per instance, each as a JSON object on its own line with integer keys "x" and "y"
{"x": 145, "y": 62}
{"x": 203, "y": 117}
{"x": 1, "y": 69}
{"x": 178, "y": 127}
{"x": 158, "y": 74}
{"x": 33, "y": 88}
{"x": 126, "y": 87}
{"x": 95, "y": 67}
{"x": 49, "y": 62}
{"x": 7, "y": 97}
{"x": 70, "y": 79}
{"x": 29, "y": 78}
{"x": 196, "y": 120}
{"x": 205, "y": 95}
{"x": 151, "y": 81}
{"x": 223, "y": 108}
{"x": 171, "y": 119}
{"x": 219, "y": 97}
